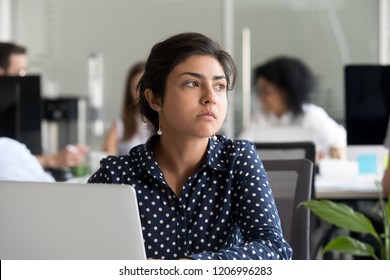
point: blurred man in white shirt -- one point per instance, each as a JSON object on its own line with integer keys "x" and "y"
{"x": 17, "y": 163}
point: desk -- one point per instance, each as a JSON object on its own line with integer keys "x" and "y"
{"x": 347, "y": 186}
{"x": 350, "y": 179}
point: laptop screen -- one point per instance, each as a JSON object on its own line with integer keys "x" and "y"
{"x": 69, "y": 221}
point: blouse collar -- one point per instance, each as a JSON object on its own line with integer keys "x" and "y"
{"x": 142, "y": 157}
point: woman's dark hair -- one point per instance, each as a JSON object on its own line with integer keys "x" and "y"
{"x": 291, "y": 76}
{"x": 130, "y": 108}
{"x": 165, "y": 55}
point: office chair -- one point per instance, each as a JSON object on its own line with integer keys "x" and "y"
{"x": 286, "y": 150}
{"x": 289, "y": 150}
{"x": 291, "y": 183}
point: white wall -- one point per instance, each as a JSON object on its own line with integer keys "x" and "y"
{"x": 326, "y": 34}
{"x": 61, "y": 34}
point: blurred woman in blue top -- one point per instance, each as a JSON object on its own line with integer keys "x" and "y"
{"x": 200, "y": 195}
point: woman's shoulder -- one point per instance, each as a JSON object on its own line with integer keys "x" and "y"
{"x": 115, "y": 159}
{"x": 310, "y": 108}
{"x": 236, "y": 154}
{"x": 316, "y": 117}
{"x": 133, "y": 155}
{"x": 9, "y": 142}
{"x": 315, "y": 113}
{"x": 234, "y": 144}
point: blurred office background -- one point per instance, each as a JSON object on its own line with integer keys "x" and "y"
{"x": 63, "y": 36}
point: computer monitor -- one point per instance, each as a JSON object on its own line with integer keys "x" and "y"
{"x": 367, "y": 103}
{"x": 21, "y": 110}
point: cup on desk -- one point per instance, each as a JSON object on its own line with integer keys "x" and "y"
{"x": 367, "y": 163}
{"x": 91, "y": 164}
{"x": 371, "y": 159}
{"x": 80, "y": 170}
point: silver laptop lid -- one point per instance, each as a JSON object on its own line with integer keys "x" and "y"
{"x": 69, "y": 221}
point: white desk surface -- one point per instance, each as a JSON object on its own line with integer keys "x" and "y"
{"x": 346, "y": 187}
{"x": 340, "y": 179}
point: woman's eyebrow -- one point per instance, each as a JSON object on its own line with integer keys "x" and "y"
{"x": 202, "y": 77}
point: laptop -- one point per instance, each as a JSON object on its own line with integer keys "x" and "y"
{"x": 45, "y": 221}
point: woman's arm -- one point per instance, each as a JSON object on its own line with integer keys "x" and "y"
{"x": 71, "y": 155}
{"x": 255, "y": 212}
{"x": 331, "y": 137}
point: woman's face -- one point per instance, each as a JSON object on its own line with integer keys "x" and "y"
{"x": 272, "y": 99}
{"x": 195, "y": 100}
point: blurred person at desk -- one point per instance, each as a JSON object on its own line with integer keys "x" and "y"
{"x": 284, "y": 85}
{"x": 14, "y": 62}
{"x": 200, "y": 195}
{"x": 128, "y": 130}
{"x": 18, "y": 163}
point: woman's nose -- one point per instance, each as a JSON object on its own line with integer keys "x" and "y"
{"x": 208, "y": 95}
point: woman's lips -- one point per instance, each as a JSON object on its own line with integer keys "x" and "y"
{"x": 209, "y": 115}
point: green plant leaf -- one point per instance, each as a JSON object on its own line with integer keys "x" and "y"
{"x": 386, "y": 221}
{"x": 341, "y": 215}
{"x": 349, "y": 245}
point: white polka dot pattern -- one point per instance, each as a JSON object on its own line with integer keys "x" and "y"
{"x": 226, "y": 209}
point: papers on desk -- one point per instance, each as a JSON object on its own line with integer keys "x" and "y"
{"x": 353, "y": 183}
{"x": 337, "y": 167}
{"x": 346, "y": 187}
{"x": 343, "y": 179}
{"x": 361, "y": 164}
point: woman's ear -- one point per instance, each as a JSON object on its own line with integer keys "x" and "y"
{"x": 153, "y": 100}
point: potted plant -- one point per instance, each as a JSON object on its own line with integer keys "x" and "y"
{"x": 341, "y": 215}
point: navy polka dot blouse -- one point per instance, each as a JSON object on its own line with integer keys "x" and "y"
{"x": 225, "y": 211}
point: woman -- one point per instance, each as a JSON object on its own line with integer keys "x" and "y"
{"x": 284, "y": 85}
{"x": 200, "y": 196}
{"x": 128, "y": 131}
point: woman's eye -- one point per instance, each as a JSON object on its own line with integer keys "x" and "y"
{"x": 192, "y": 84}
{"x": 220, "y": 87}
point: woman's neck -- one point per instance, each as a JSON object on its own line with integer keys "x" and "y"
{"x": 179, "y": 159}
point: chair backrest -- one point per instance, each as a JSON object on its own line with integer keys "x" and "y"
{"x": 289, "y": 150}
{"x": 286, "y": 150}
{"x": 291, "y": 183}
